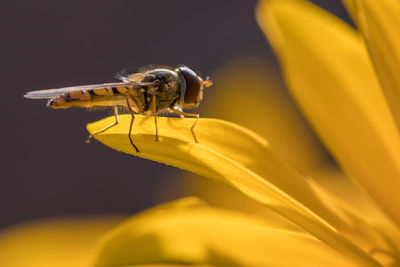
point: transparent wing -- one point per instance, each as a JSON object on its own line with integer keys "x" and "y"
{"x": 50, "y": 93}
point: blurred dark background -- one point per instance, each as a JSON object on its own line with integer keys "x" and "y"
{"x": 46, "y": 167}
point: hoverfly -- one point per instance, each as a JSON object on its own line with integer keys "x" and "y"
{"x": 148, "y": 92}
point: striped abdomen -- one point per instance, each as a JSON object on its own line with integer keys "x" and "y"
{"x": 110, "y": 96}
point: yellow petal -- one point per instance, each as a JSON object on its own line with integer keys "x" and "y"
{"x": 329, "y": 73}
{"x": 53, "y": 243}
{"x": 234, "y": 156}
{"x": 379, "y": 24}
{"x": 204, "y": 235}
{"x": 248, "y": 91}
{"x": 364, "y": 223}
{"x": 356, "y": 218}
{"x": 219, "y": 195}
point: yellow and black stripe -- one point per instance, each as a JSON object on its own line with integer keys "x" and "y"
{"x": 88, "y": 98}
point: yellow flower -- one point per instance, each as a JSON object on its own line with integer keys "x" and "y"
{"x": 331, "y": 73}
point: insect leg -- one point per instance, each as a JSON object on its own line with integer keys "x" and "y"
{"x": 197, "y": 116}
{"x": 155, "y": 114}
{"x": 130, "y": 127}
{"x": 106, "y": 128}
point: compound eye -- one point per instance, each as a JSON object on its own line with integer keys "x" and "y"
{"x": 193, "y": 85}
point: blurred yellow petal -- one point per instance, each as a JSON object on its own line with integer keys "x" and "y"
{"x": 329, "y": 73}
{"x": 54, "y": 243}
{"x": 379, "y": 24}
{"x": 230, "y": 154}
{"x": 204, "y": 235}
{"x": 248, "y": 91}
{"x": 364, "y": 223}
{"x": 335, "y": 181}
{"x": 356, "y": 217}
{"x": 222, "y": 196}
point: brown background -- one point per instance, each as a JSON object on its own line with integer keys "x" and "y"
{"x": 46, "y": 168}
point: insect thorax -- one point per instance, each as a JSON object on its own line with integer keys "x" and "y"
{"x": 168, "y": 89}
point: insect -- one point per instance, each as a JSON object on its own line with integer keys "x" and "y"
{"x": 148, "y": 92}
